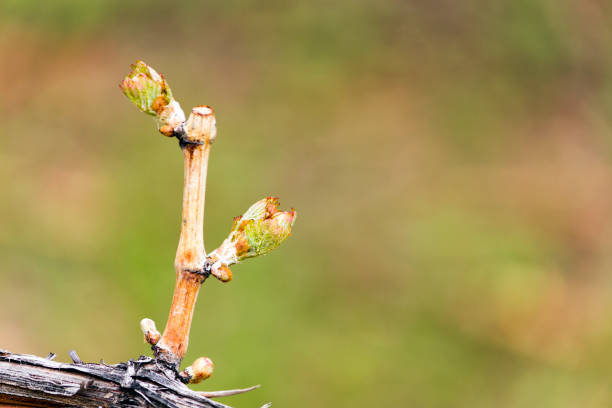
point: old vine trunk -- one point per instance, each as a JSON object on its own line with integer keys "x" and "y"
{"x": 27, "y": 380}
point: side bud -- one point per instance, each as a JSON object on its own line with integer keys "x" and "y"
{"x": 262, "y": 228}
{"x": 258, "y": 231}
{"x": 150, "y": 92}
{"x": 151, "y": 334}
{"x": 200, "y": 370}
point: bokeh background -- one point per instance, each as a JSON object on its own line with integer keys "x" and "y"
{"x": 450, "y": 161}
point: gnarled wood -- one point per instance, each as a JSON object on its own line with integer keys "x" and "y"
{"x": 27, "y": 380}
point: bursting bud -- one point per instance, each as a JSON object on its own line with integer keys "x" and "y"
{"x": 150, "y": 92}
{"x": 259, "y": 230}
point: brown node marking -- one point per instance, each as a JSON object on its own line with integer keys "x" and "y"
{"x": 242, "y": 246}
{"x": 159, "y": 104}
{"x": 188, "y": 255}
{"x": 166, "y": 130}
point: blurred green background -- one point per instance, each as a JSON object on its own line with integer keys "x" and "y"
{"x": 451, "y": 164}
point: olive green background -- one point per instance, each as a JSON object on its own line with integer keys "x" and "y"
{"x": 450, "y": 161}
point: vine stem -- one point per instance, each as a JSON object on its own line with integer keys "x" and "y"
{"x": 196, "y": 137}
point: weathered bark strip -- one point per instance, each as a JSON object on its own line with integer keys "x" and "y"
{"x": 39, "y": 382}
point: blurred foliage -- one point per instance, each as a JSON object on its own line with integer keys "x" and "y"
{"x": 450, "y": 161}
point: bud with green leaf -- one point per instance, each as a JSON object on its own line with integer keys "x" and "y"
{"x": 150, "y": 92}
{"x": 258, "y": 231}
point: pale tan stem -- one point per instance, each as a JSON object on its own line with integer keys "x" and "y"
{"x": 199, "y": 132}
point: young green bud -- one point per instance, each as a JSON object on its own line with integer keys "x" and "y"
{"x": 262, "y": 228}
{"x": 147, "y": 89}
{"x": 150, "y": 92}
{"x": 258, "y": 231}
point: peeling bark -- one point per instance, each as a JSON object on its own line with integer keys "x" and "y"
{"x": 32, "y": 381}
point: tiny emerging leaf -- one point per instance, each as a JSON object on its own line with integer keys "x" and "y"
{"x": 150, "y": 92}
{"x": 147, "y": 89}
{"x": 258, "y": 231}
{"x": 262, "y": 228}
